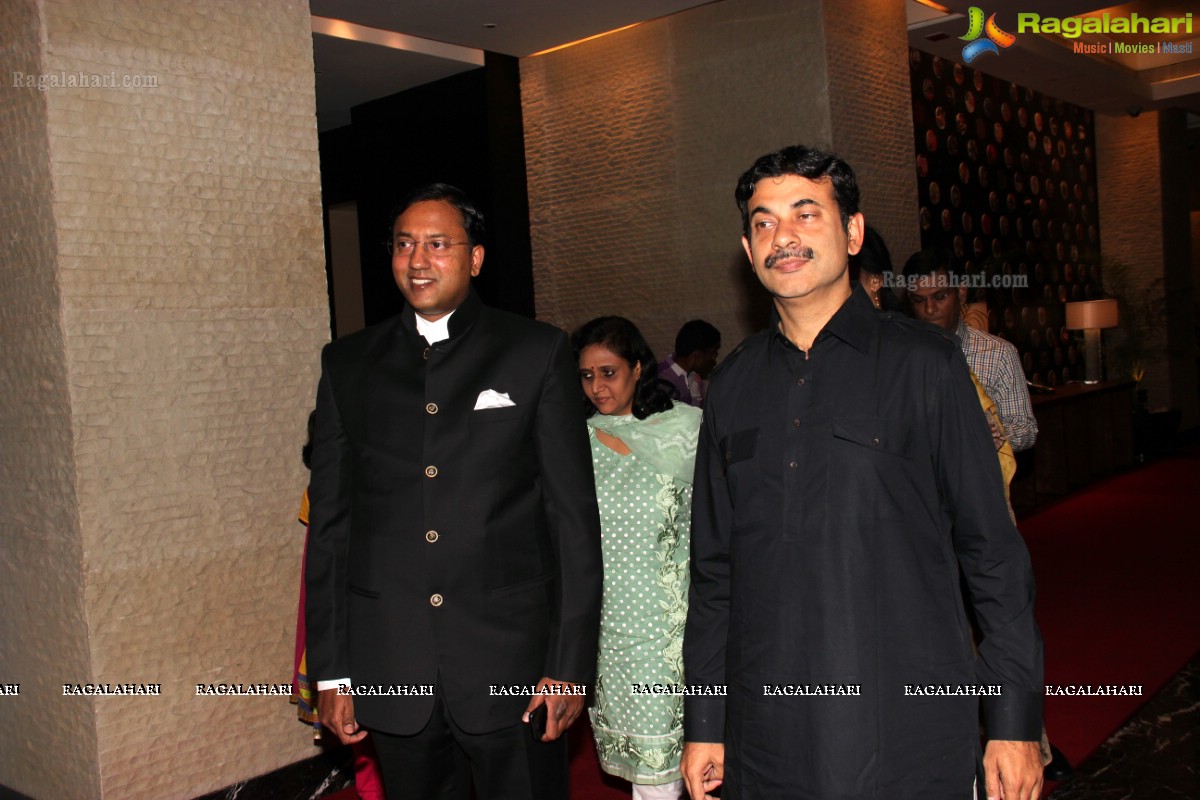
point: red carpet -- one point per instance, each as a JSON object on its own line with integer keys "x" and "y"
{"x": 587, "y": 781}
{"x": 1117, "y": 593}
{"x": 1118, "y": 603}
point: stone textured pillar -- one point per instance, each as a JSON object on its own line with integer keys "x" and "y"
{"x": 162, "y": 305}
{"x": 48, "y": 741}
{"x": 1144, "y": 227}
{"x": 870, "y": 98}
{"x": 634, "y": 142}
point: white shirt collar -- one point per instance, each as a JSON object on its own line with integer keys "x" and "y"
{"x": 435, "y": 331}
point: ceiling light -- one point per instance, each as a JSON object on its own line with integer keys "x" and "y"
{"x": 341, "y": 29}
{"x": 581, "y": 41}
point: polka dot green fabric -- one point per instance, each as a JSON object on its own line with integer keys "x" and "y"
{"x": 644, "y": 520}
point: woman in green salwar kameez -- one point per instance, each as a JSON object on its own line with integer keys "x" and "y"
{"x": 643, "y": 451}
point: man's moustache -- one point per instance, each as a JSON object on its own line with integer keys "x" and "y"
{"x": 803, "y": 252}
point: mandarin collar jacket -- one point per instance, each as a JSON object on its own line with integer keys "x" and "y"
{"x": 452, "y": 544}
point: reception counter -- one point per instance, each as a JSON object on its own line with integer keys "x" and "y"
{"x": 1085, "y": 432}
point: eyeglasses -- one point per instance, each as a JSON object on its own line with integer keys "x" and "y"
{"x": 434, "y": 248}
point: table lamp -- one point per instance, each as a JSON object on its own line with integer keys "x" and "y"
{"x": 1090, "y": 316}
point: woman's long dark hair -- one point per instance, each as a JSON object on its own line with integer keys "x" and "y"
{"x": 623, "y": 339}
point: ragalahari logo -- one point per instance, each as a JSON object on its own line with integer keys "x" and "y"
{"x": 996, "y": 38}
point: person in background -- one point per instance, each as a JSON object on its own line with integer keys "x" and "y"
{"x": 643, "y": 454}
{"x": 368, "y": 783}
{"x": 940, "y": 298}
{"x": 975, "y": 313}
{"x": 696, "y": 348}
{"x": 871, "y": 267}
{"x": 873, "y": 262}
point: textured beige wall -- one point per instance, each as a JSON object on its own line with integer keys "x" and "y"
{"x": 871, "y": 100}
{"x": 174, "y": 309}
{"x": 634, "y": 142}
{"x": 43, "y": 627}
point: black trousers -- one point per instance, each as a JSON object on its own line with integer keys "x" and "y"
{"x": 439, "y": 763}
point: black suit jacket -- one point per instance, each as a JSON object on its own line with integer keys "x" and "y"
{"x": 447, "y": 544}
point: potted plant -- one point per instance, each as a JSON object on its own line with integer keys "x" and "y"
{"x": 1140, "y": 341}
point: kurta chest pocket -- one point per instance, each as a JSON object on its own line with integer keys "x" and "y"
{"x": 884, "y": 435}
{"x": 739, "y": 446}
{"x": 871, "y": 461}
{"x": 742, "y": 474}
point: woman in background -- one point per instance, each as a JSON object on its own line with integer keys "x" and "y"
{"x": 871, "y": 266}
{"x": 644, "y": 453}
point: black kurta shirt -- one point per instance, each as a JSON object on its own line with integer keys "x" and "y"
{"x": 837, "y": 494}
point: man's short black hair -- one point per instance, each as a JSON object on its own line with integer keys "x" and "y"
{"x": 928, "y": 263}
{"x": 472, "y": 217}
{"x": 696, "y": 335}
{"x": 804, "y": 162}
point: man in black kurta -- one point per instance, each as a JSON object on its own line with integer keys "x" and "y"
{"x": 844, "y": 477}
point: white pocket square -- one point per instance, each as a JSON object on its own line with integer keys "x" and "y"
{"x": 490, "y": 398}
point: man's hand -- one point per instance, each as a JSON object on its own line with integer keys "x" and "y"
{"x": 703, "y": 768}
{"x": 561, "y": 709}
{"x": 1013, "y": 770}
{"x": 336, "y": 712}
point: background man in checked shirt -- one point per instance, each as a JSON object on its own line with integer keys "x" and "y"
{"x": 994, "y": 361}
{"x": 997, "y": 365}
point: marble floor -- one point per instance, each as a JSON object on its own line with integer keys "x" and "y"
{"x": 320, "y": 776}
{"x": 1154, "y": 756}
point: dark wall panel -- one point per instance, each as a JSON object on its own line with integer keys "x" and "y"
{"x": 464, "y": 130}
{"x": 1006, "y": 181}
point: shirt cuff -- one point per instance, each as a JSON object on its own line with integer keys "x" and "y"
{"x": 333, "y": 684}
{"x": 704, "y": 719}
{"x": 1015, "y": 716}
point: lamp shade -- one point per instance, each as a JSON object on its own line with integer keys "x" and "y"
{"x": 1091, "y": 314}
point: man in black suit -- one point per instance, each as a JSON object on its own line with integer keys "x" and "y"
{"x": 454, "y": 553}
